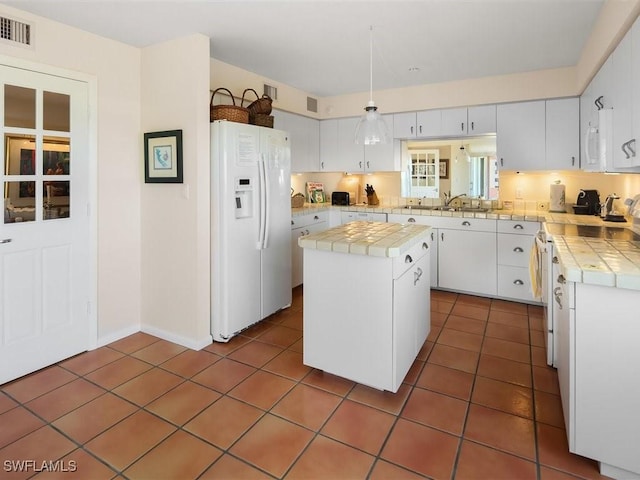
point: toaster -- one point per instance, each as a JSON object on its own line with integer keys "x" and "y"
{"x": 340, "y": 198}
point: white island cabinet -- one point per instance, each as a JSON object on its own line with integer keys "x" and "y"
{"x": 366, "y": 300}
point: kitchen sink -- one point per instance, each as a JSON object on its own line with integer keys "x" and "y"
{"x": 448, "y": 208}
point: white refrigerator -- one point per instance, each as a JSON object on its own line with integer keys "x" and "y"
{"x": 250, "y": 226}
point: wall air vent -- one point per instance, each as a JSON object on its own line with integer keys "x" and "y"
{"x": 312, "y": 104}
{"x": 15, "y": 31}
{"x": 271, "y": 91}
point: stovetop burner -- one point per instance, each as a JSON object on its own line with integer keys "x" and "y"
{"x": 592, "y": 231}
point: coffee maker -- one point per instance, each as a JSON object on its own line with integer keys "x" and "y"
{"x": 587, "y": 203}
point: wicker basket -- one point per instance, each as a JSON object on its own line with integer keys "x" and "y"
{"x": 260, "y": 106}
{"x": 232, "y": 113}
{"x": 297, "y": 200}
{"x": 261, "y": 120}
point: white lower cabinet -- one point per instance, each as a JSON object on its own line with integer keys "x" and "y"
{"x": 515, "y": 241}
{"x": 301, "y": 226}
{"x": 366, "y": 318}
{"x": 467, "y": 256}
{"x": 433, "y": 252}
{"x": 598, "y": 360}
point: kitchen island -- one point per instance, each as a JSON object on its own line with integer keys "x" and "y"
{"x": 366, "y": 300}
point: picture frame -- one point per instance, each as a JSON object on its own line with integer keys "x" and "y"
{"x": 163, "y": 157}
{"x": 444, "y": 168}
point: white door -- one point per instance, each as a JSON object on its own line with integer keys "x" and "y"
{"x": 45, "y": 233}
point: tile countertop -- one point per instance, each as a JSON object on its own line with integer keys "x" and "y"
{"x": 376, "y": 239}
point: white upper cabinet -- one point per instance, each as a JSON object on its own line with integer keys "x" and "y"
{"x": 449, "y": 122}
{"x": 562, "y": 134}
{"x": 350, "y": 154}
{"x": 520, "y": 139}
{"x": 404, "y": 125}
{"x": 329, "y": 160}
{"x": 304, "y": 133}
{"x": 481, "y": 120}
{"x": 454, "y": 122}
{"x": 340, "y": 153}
{"x": 623, "y": 90}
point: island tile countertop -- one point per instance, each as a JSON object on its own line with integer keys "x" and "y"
{"x": 376, "y": 239}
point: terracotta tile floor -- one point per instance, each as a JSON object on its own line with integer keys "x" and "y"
{"x": 478, "y": 403}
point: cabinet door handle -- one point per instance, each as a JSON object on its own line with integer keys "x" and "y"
{"x": 432, "y": 239}
{"x": 518, "y": 282}
{"x": 462, "y": 126}
{"x": 360, "y": 164}
{"x": 425, "y": 246}
{"x": 554, "y": 259}
{"x": 411, "y": 220}
{"x": 624, "y": 150}
{"x": 466, "y": 224}
{"x": 291, "y": 224}
{"x": 518, "y": 250}
{"x": 558, "y": 296}
{"x": 316, "y": 217}
{"x": 502, "y": 162}
{"x": 561, "y": 279}
{"x": 412, "y": 130}
{"x": 573, "y": 161}
{"x": 408, "y": 259}
{"x": 322, "y": 165}
{"x": 416, "y": 275}
{"x": 8, "y": 240}
{"x": 599, "y": 103}
{"x": 367, "y": 165}
{"x": 472, "y": 126}
{"x": 421, "y": 129}
{"x": 518, "y": 226}
{"x": 631, "y": 145}
{"x": 442, "y": 236}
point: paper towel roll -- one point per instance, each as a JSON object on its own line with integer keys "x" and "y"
{"x": 556, "y": 200}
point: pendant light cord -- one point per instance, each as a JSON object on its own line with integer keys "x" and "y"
{"x": 370, "y": 63}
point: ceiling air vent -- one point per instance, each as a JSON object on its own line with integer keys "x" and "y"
{"x": 15, "y": 31}
{"x": 271, "y": 91}
{"x": 312, "y": 104}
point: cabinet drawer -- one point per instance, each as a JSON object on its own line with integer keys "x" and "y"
{"x": 514, "y": 250}
{"x": 518, "y": 227}
{"x": 408, "y": 259}
{"x": 310, "y": 219}
{"x": 464, "y": 223}
{"x": 514, "y": 282}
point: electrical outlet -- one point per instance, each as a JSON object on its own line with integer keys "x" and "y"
{"x": 543, "y": 206}
{"x": 411, "y": 201}
{"x": 518, "y": 194}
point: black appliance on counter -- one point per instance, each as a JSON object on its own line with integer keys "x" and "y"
{"x": 340, "y": 198}
{"x": 587, "y": 203}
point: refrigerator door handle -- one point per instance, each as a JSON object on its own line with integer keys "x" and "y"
{"x": 263, "y": 203}
{"x": 267, "y": 206}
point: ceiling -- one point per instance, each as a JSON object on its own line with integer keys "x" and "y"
{"x": 322, "y": 47}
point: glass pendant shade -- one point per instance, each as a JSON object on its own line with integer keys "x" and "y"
{"x": 372, "y": 129}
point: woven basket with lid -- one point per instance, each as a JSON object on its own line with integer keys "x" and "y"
{"x": 261, "y": 106}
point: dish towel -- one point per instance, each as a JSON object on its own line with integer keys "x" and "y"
{"x": 535, "y": 273}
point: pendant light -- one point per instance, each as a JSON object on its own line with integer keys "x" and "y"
{"x": 371, "y": 128}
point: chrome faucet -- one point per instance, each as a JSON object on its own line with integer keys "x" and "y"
{"x": 447, "y": 200}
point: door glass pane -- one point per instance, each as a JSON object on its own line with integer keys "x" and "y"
{"x": 56, "y": 200}
{"x": 19, "y": 107}
{"x": 55, "y": 156}
{"x": 20, "y": 154}
{"x": 19, "y": 202}
{"x": 55, "y": 111}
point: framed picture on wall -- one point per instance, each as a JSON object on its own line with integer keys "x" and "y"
{"x": 163, "y": 157}
{"x": 444, "y": 168}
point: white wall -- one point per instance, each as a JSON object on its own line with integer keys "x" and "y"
{"x": 117, "y": 69}
{"x": 175, "y": 217}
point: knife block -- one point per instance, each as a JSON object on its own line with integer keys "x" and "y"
{"x": 373, "y": 199}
